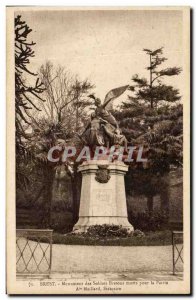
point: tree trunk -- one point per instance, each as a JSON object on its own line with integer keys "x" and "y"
{"x": 76, "y": 187}
{"x": 150, "y": 205}
{"x": 49, "y": 174}
{"x": 165, "y": 203}
{"x": 151, "y": 100}
{"x": 75, "y": 210}
{"x": 164, "y": 196}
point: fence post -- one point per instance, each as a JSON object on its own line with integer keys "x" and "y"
{"x": 178, "y": 250}
{"x": 173, "y": 253}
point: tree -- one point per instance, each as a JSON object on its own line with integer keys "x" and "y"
{"x": 65, "y": 96}
{"x": 25, "y": 93}
{"x": 57, "y": 92}
{"x": 59, "y": 117}
{"x": 64, "y": 113}
{"x": 152, "y": 91}
{"x": 146, "y": 120}
{"x": 80, "y": 103}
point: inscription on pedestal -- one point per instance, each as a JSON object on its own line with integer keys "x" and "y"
{"x": 102, "y": 202}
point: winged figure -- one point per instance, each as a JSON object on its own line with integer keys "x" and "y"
{"x": 103, "y": 129}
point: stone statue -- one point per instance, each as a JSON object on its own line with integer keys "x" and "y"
{"x": 101, "y": 112}
{"x": 103, "y": 129}
{"x": 103, "y": 197}
{"x": 93, "y": 134}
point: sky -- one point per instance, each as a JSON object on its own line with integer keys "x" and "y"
{"x": 106, "y": 46}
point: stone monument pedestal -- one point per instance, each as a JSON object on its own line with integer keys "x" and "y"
{"x": 103, "y": 199}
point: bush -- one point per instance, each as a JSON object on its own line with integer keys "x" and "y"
{"x": 146, "y": 222}
{"x": 135, "y": 239}
{"x": 105, "y": 230}
{"x": 138, "y": 233}
{"x": 108, "y": 231}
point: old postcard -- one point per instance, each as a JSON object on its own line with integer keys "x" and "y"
{"x": 98, "y": 150}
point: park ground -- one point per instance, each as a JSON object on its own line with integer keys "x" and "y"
{"x": 112, "y": 262}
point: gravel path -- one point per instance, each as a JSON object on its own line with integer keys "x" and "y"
{"x": 112, "y": 259}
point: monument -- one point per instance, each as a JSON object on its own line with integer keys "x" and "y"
{"x": 103, "y": 199}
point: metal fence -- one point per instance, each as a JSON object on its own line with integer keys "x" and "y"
{"x": 177, "y": 251}
{"x": 33, "y": 252}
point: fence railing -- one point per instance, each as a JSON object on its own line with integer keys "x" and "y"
{"x": 33, "y": 252}
{"x": 177, "y": 251}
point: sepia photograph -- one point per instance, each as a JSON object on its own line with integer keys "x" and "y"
{"x": 98, "y": 150}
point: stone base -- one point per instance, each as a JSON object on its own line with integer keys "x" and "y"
{"x": 102, "y": 201}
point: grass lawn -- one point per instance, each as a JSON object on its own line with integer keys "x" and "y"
{"x": 158, "y": 238}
